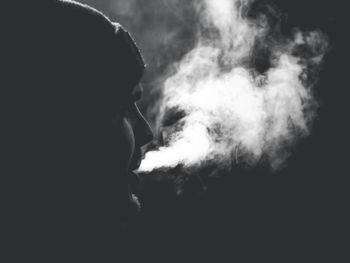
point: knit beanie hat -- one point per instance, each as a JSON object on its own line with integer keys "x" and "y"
{"x": 67, "y": 46}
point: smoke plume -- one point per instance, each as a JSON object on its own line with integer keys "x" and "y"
{"x": 243, "y": 94}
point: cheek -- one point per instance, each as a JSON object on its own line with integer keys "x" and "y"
{"x": 126, "y": 141}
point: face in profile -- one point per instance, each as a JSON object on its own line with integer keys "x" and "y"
{"x": 132, "y": 132}
{"x": 132, "y": 129}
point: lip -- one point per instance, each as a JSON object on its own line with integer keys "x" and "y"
{"x": 136, "y": 160}
{"x": 133, "y": 178}
{"x": 134, "y": 182}
{"x": 136, "y": 165}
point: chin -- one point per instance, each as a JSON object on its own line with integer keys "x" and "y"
{"x": 134, "y": 206}
{"x": 136, "y": 203}
{"x": 133, "y": 186}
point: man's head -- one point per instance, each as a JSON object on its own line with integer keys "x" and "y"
{"x": 73, "y": 122}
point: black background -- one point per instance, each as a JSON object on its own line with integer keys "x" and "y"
{"x": 298, "y": 214}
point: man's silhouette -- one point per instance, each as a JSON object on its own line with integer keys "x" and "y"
{"x": 72, "y": 130}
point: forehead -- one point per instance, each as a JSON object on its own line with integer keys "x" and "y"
{"x": 127, "y": 60}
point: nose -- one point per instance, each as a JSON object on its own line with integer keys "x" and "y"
{"x": 142, "y": 130}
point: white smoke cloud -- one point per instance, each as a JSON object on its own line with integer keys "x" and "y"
{"x": 232, "y": 112}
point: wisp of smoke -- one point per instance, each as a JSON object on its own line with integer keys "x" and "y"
{"x": 231, "y": 112}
